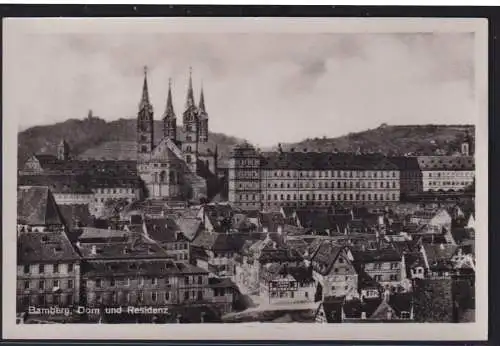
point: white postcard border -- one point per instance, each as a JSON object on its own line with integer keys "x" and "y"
{"x": 258, "y": 331}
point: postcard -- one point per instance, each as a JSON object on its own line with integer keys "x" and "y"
{"x": 298, "y": 178}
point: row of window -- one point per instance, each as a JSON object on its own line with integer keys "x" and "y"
{"x": 114, "y": 190}
{"x": 176, "y": 246}
{"x": 338, "y": 174}
{"x": 42, "y": 268}
{"x": 188, "y": 280}
{"x": 377, "y": 266}
{"x": 339, "y": 185}
{"x": 332, "y": 197}
{"x": 126, "y": 298}
{"x": 451, "y": 174}
{"x": 51, "y": 299}
{"x": 449, "y": 183}
{"x": 28, "y": 284}
{"x": 391, "y": 277}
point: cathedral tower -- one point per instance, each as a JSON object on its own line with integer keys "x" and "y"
{"x": 169, "y": 118}
{"x": 191, "y": 127}
{"x": 145, "y": 122}
{"x": 203, "y": 118}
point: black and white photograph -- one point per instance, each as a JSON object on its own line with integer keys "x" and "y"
{"x": 298, "y": 177}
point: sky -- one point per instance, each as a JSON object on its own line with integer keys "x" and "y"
{"x": 264, "y": 87}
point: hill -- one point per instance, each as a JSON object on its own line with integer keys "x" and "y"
{"x": 95, "y": 138}
{"x": 392, "y": 140}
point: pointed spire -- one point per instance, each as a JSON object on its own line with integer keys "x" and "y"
{"x": 190, "y": 94}
{"x": 145, "y": 93}
{"x": 169, "y": 111}
{"x": 202, "y": 100}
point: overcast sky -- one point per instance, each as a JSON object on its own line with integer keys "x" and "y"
{"x": 264, "y": 87}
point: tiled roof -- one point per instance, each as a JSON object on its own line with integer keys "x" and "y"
{"x": 224, "y": 282}
{"x": 137, "y": 247}
{"x": 274, "y": 271}
{"x": 365, "y": 281}
{"x": 147, "y": 267}
{"x": 112, "y": 150}
{"x": 459, "y": 234}
{"x": 441, "y": 163}
{"x": 355, "y": 307}
{"x": 45, "y": 247}
{"x": 332, "y": 307}
{"x": 163, "y": 230}
{"x": 325, "y": 161}
{"x": 91, "y": 234}
{"x": 439, "y": 252}
{"x": 325, "y": 257}
{"x": 219, "y": 241}
{"x": 76, "y": 215}
{"x": 370, "y": 256}
{"x": 407, "y": 163}
{"x": 190, "y": 227}
{"x": 60, "y": 183}
{"x": 93, "y": 167}
{"x": 36, "y": 206}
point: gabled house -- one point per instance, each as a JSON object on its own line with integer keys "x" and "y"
{"x": 167, "y": 233}
{"x": 216, "y": 252}
{"x": 438, "y": 259}
{"x": 216, "y": 217}
{"x": 334, "y": 271}
{"x": 48, "y": 271}
{"x": 390, "y": 307}
{"x": 270, "y": 250}
{"x": 383, "y": 265}
{"x": 281, "y": 284}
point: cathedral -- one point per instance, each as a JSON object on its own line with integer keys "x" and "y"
{"x": 181, "y": 163}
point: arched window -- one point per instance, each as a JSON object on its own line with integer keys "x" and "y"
{"x": 155, "y": 177}
{"x": 188, "y": 148}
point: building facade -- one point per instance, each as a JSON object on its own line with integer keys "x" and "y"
{"x": 48, "y": 271}
{"x": 274, "y": 179}
{"x": 177, "y": 166}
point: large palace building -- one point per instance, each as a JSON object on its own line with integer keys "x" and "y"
{"x": 263, "y": 180}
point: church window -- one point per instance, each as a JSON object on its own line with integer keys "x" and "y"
{"x": 188, "y": 148}
{"x": 188, "y": 159}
